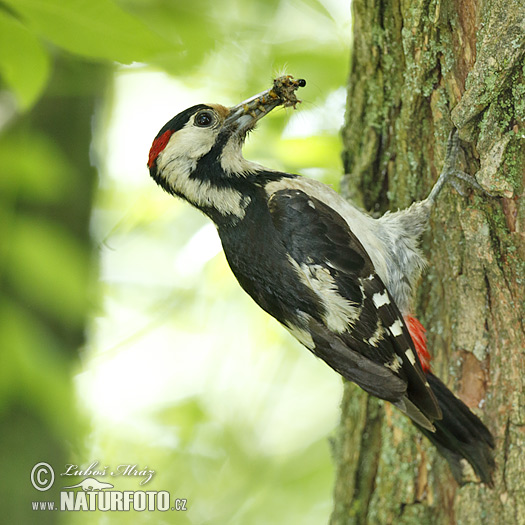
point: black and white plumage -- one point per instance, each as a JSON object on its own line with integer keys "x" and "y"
{"x": 339, "y": 280}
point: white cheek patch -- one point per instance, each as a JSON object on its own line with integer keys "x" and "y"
{"x": 203, "y": 194}
{"x": 232, "y": 160}
{"x": 179, "y": 160}
{"x": 189, "y": 143}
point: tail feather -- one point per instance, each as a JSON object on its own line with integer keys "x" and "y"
{"x": 460, "y": 435}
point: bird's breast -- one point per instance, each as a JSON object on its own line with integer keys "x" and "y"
{"x": 259, "y": 261}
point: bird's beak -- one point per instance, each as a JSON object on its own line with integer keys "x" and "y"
{"x": 244, "y": 116}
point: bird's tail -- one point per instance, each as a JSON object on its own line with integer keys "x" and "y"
{"x": 460, "y": 435}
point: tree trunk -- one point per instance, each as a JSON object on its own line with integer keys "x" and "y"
{"x": 417, "y": 69}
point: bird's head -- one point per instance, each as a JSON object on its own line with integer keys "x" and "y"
{"x": 197, "y": 155}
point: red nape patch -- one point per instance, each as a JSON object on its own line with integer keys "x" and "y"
{"x": 417, "y": 332}
{"x": 158, "y": 145}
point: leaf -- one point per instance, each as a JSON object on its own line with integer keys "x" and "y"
{"x": 24, "y": 65}
{"x": 44, "y": 175}
{"x": 97, "y": 29}
{"x": 48, "y": 268}
{"x": 34, "y": 369}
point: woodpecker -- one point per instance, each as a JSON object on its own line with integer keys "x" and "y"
{"x": 341, "y": 281}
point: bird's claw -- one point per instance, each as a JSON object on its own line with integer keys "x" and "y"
{"x": 451, "y": 173}
{"x": 470, "y": 180}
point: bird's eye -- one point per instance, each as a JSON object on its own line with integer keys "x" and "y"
{"x": 204, "y": 119}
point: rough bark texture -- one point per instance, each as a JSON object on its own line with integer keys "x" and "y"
{"x": 417, "y": 67}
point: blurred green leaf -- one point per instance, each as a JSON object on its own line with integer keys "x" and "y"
{"x": 189, "y": 26}
{"x": 224, "y": 447}
{"x": 35, "y": 168}
{"x": 33, "y": 368}
{"x": 24, "y": 64}
{"x": 48, "y": 267}
{"x": 98, "y": 29}
{"x": 201, "y": 28}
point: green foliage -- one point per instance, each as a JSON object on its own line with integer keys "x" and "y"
{"x": 239, "y": 44}
{"x": 34, "y": 374}
{"x": 251, "y": 451}
{"x": 48, "y": 268}
{"x": 98, "y": 30}
{"x": 44, "y": 176}
{"x": 27, "y": 77}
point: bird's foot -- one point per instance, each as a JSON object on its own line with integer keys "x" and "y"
{"x": 451, "y": 173}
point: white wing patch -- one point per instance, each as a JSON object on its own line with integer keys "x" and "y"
{"x": 380, "y": 299}
{"x": 396, "y": 328}
{"x": 411, "y": 356}
{"x": 340, "y": 313}
{"x": 377, "y": 335}
{"x": 364, "y": 227}
{"x": 395, "y": 364}
{"x": 302, "y": 335}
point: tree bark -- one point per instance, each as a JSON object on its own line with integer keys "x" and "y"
{"x": 417, "y": 69}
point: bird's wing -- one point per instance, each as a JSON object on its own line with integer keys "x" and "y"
{"x": 361, "y": 333}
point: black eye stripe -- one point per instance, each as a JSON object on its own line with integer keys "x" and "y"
{"x": 204, "y": 119}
